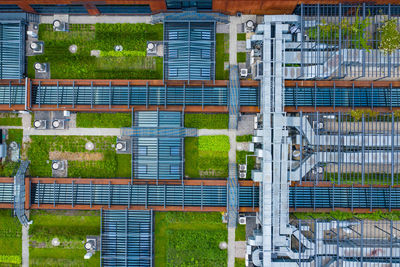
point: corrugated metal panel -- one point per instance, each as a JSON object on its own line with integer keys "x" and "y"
{"x": 124, "y": 9}
{"x": 12, "y": 49}
{"x": 60, "y": 9}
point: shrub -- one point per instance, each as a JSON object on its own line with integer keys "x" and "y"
{"x": 241, "y": 37}
{"x": 244, "y": 138}
{"x": 12, "y": 259}
{"x": 122, "y": 53}
{"x": 241, "y": 57}
{"x": 390, "y": 37}
{"x": 218, "y": 143}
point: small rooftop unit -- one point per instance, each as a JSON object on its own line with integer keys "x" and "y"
{"x": 37, "y": 47}
{"x": 57, "y": 165}
{"x": 60, "y": 26}
{"x": 41, "y": 67}
{"x": 121, "y": 146}
{"x": 40, "y": 124}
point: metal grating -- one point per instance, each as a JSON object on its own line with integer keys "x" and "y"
{"x": 126, "y": 238}
{"x": 343, "y": 41}
{"x": 189, "y": 50}
{"x": 124, "y": 9}
{"x": 12, "y": 49}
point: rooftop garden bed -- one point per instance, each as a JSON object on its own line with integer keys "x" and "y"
{"x": 102, "y": 162}
{"x": 103, "y": 120}
{"x": 251, "y": 161}
{"x": 341, "y": 215}
{"x": 221, "y": 56}
{"x": 10, "y": 119}
{"x": 10, "y": 239}
{"x": 71, "y": 228}
{"x": 189, "y": 239}
{"x": 9, "y": 168}
{"x": 206, "y": 121}
{"x": 206, "y": 156}
{"x": 130, "y": 63}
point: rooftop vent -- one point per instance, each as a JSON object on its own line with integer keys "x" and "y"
{"x": 242, "y": 167}
{"x": 41, "y": 67}
{"x": 242, "y": 175}
{"x": 60, "y": 26}
{"x": 37, "y": 47}
{"x": 58, "y": 124}
{"x": 243, "y": 73}
{"x": 121, "y": 146}
{"x": 242, "y": 219}
{"x": 40, "y": 124}
{"x": 57, "y": 165}
{"x": 250, "y": 26}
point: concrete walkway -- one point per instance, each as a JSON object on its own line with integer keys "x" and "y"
{"x": 99, "y": 19}
{"x": 233, "y": 40}
{"x": 25, "y": 246}
{"x": 75, "y": 131}
{"x": 201, "y": 132}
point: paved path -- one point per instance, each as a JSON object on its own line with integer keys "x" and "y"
{"x": 76, "y": 131}
{"x": 201, "y": 132}
{"x": 233, "y": 40}
{"x": 25, "y": 246}
{"x": 11, "y": 127}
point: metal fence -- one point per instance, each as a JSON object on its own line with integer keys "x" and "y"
{"x": 347, "y": 41}
{"x": 342, "y": 148}
{"x": 126, "y": 238}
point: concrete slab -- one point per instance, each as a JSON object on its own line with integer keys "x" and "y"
{"x": 240, "y": 249}
{"x": 222, "y": 28}
{"x": 241, "y": 46}
{"x": 100, "y": 19}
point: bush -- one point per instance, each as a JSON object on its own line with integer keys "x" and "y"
{"x": 103, "y": 120}
{"x": 241, "y": 57}
{"x": 390, "y": 37}
{"x": 244, "y": 138}
{"x": 206, "y": 121}
{"x": 241, "y": 36}
{"x": 13, "y": 259}
{"x": 219, "y": 143}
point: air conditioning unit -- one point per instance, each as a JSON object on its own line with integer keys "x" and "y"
{"x": 58, "y": 124}
{"x": 121, "y": 146}
{"x": 250, "y": 26}
{"x": 41, "y": 67}
{"x": 242, "y": 175}
{"x": 57, "y": 165}
{"x": 151, "y": 47}
{"x": 242, "y": 219}
{"x": 40, "y": 124}
{"x": 242, "y": 167}
{"x": 243, "y": 73}
{"x": 60, "y": 26}
{"x": 37, "y": 47}
{"x": 91, "y": 246}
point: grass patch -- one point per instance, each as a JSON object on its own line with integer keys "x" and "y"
{"x": 207, "y": 121}
{"x": 221, "y": 55}
{"x": 241, "y": 36}
{"x": 240, "y": 262}
{"x": 204, "y": 164}
{"x": 244, "y": 138}
{"x": 217, "y": 143}
{"x": 10, "y": 119}
{"x": 103, "y": 120}
{"x": 241, "y": 57}
{"x": 189, "y": 239}
{"x": 112, "y": 165}
{"x": 129, "y": 63}
{"x": 71, "y": 228}
{"x": 10, "y": 234}
{"x": 342, "y": 215}
{"x": 240, "y": 232}
{"x": 356, "y": 178}
{"x": 251, "y": 161}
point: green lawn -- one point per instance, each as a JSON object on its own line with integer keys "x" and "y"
{"x": 10, "y": 119}
{"x": 189, "y": 239}
{"x": 10, "y": 238}
{"x": 103, "y": 120}
{"x": 112, "y": 164}
{"x": 240, "y": 262}
{"x": 341, "y": 215}
{"x": 131, "y": 63}
{"x": 241, "y": 57}
{"x": 9, "y": 168}
{"x": 356, "y": 178}
{"x": 241, "y": 36}
{"x": 207, "y": 121}
{"x": 221, "y": 55}
{"x": 71, "y": 228}
{"x": 244, "y": 138}
{"x": 251, "y": 161}
{"x": 206, "y": 163}
{"x": 240, "y": 232}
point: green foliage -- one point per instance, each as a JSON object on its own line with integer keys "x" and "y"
{"x": 71, "y": 227}
{"x": 356, "y": 32}
{"x": 204, "y": 164}
{"x": 124, "y": 53}
{"x": 358, "y": 114}
{"x": 241, "y": 57}
{"x": 10, "y": 119}
{"x": 133, "y": 64}
{"x": 390, "y": 37}
{"x": 240, "y": 232}
{"x": 103, "y": 120}
{"x": 13, "y": 259}
{"x": 244, "y": 138}
{"x": 240, "y": 262}
{"x": 241, "y": 36}
{"x": 189, "y": 239}
{"x": 9, "y": 168}
{"x": 10, "y": 234}
{"x": 251, "y": 161}
{"x": 218, "y": 143}
{"x": 206, "y": 121}
{"x": 341, "y": 215}
{"x": 40, "y": 146}
{"x": 221, "y": 55}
